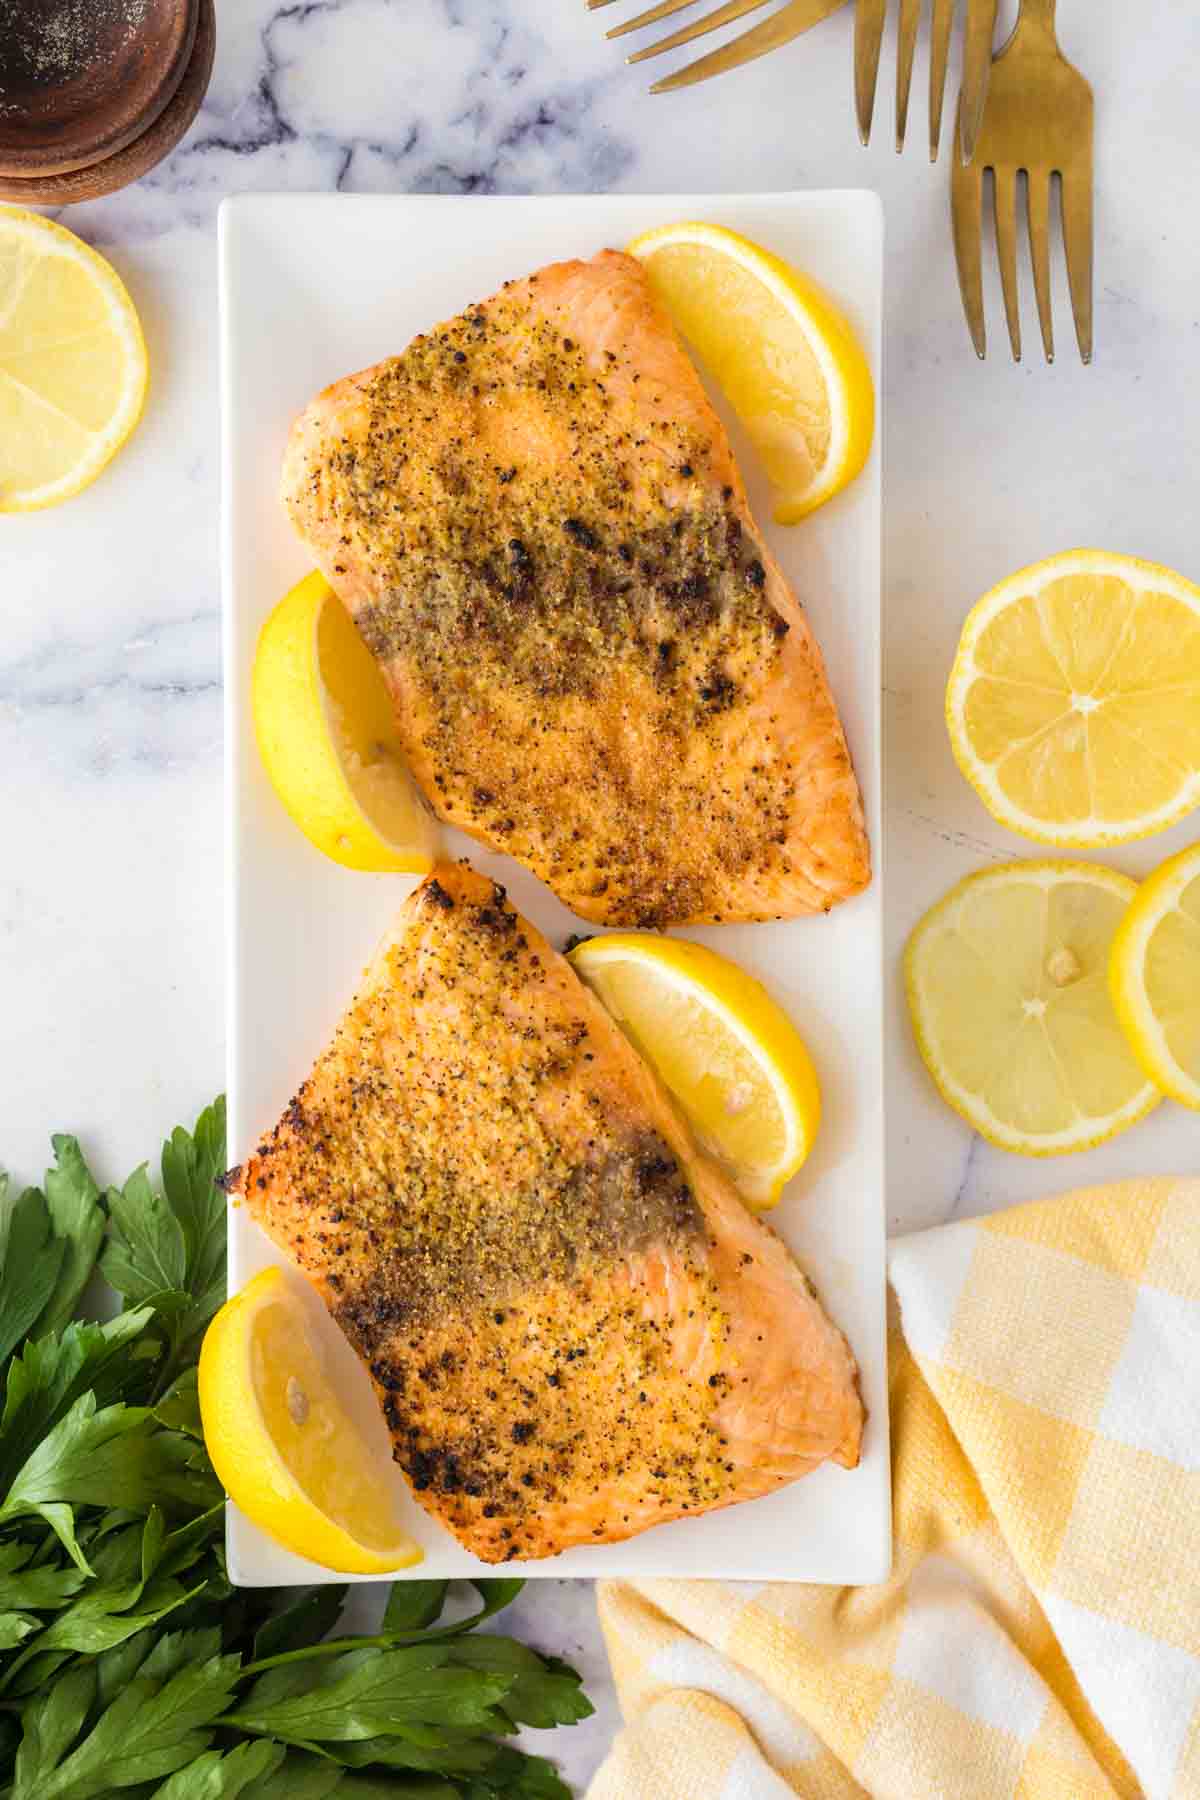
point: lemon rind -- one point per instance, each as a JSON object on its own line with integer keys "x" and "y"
{"x": 669, "y": 957}
{"x": 269, "y": 1484}
{"x": 1157, "y": 896}
{"x": 848, "y": 449}
{"x": 366, "y": 849}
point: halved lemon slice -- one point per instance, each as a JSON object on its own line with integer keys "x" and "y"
{"x": 325, "y": 728}
{"x": 72, "y": 362}
{"x": 1008, "y": 988}
{"x": 1155, "y": 977}
{"x": 729, "y": 1055}
{"x": 1074, "y": 702}
{"x": 786, "y": 356}
{"x": 282, "y": 1441}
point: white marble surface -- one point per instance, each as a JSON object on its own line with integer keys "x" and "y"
{"x": 110, "y": 725}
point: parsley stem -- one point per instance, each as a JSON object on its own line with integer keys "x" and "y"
{"x": 382, "y": 1641}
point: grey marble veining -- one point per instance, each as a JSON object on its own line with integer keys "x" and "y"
{"x": 110, "y": 709}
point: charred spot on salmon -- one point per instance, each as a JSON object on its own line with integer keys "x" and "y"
{"x": 436, "y": 895}
{"x": 581, "y": 534}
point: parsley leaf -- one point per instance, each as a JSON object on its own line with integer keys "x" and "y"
{"x": 30, "y": 1260}
{"x": 190, "y": 1167}
{"x": 305, "y": 1778}
{"x": 541, "y": 1693}
{"x": 15, "y": 1627}
{"x": 148, "y": 1731}
{"x": 146, "y": 1253}
{"x": 167, "y": 1250}
{"x": 73, "y": 1202}
{"x": 52, "y": 1372}
{"x": 412, "y": 1606}
{"x": 368, "y": 1692}
{"x": 312, "y": 1613}
{"x": 216, "y": 1777}
{"x": 116, "y": 1456}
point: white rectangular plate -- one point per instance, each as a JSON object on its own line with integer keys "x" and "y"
{"x": 313, "y": 287}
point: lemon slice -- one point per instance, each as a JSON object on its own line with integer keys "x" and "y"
{"x": 283, "y": 1443}
{"x": 731, "y": 1058}
{"x": 784, "y": 354}
{"x": 1008, "y": 989}
{"x": 1074, "y": 703}
{"x": 326, "y": 731}
{"x": 1155, "y": 977}
{"x": 72, "y": 363}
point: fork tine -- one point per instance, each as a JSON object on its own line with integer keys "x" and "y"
{"x": 868, "y": 37}
{"x": 910, "y": 14}
{"x": 724, "y": 15}
{"x": 791, "y": 21}
{"x": 1039, "y": 250}
{"x": 966, "y": 203}
{"x": 1077, "y": 236}
{"x": 977, "y": 67}
{"x": 939, "y": 57}
{"x": 650, "y": 17}
{"x": 1005, "y": 179}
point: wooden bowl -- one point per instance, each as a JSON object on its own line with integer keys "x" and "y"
{"x": 81, "y": 79}
{"x": 140, "y": 156}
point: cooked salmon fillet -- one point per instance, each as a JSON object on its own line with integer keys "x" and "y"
{"x": 536, "y": 519}
{"x": 574, "y": 1327}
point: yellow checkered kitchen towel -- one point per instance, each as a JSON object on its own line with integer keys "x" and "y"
{"x": 1040, "y": 1636}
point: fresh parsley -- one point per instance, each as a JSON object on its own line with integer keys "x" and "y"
{"x": 129, "y": 1665}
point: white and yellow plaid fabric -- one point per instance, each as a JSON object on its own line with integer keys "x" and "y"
{"x": 1040, "y": 1636}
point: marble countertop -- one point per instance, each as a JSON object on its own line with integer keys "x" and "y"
{"x": 110, "y": 712}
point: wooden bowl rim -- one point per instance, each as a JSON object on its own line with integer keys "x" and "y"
{"x": 145, "y": 152}
{"x": 108, "y": 127}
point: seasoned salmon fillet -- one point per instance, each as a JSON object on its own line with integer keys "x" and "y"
{"x": 574, "y": 1327}
{"x": 535, "y": 517}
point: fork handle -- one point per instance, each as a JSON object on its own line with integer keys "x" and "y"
{"x": 1038, "y": 15}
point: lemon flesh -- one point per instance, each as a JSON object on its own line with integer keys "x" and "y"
{"x": 729, "y": 1056}
{"x": 72, "y": 363}
{"x": 281, "y": 1440}
{"x": 1074, "y": 703}
{"x": 784, "y": 354}
{"x": 1008, "y": 991}
{"x": 1155, "y": 977}
{"x": 325, "y": 727}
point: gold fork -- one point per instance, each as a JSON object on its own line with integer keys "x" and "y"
{"x": 788, "y": 23}
{"x": 1039, "y": 121}
{"x": 977, "y": 57}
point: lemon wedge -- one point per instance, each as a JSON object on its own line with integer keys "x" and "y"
{"x": 1008, "y": 989}
{"x": 784, "y": 354}
{"x": 734, "y": 1062}
{"x": 72, "y": 363}
{"x": 283, "y": 1444}
{"x": 1074, "y": 702}
{"x": 325, "y": 728}
{"x": 1155, "y": 977}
